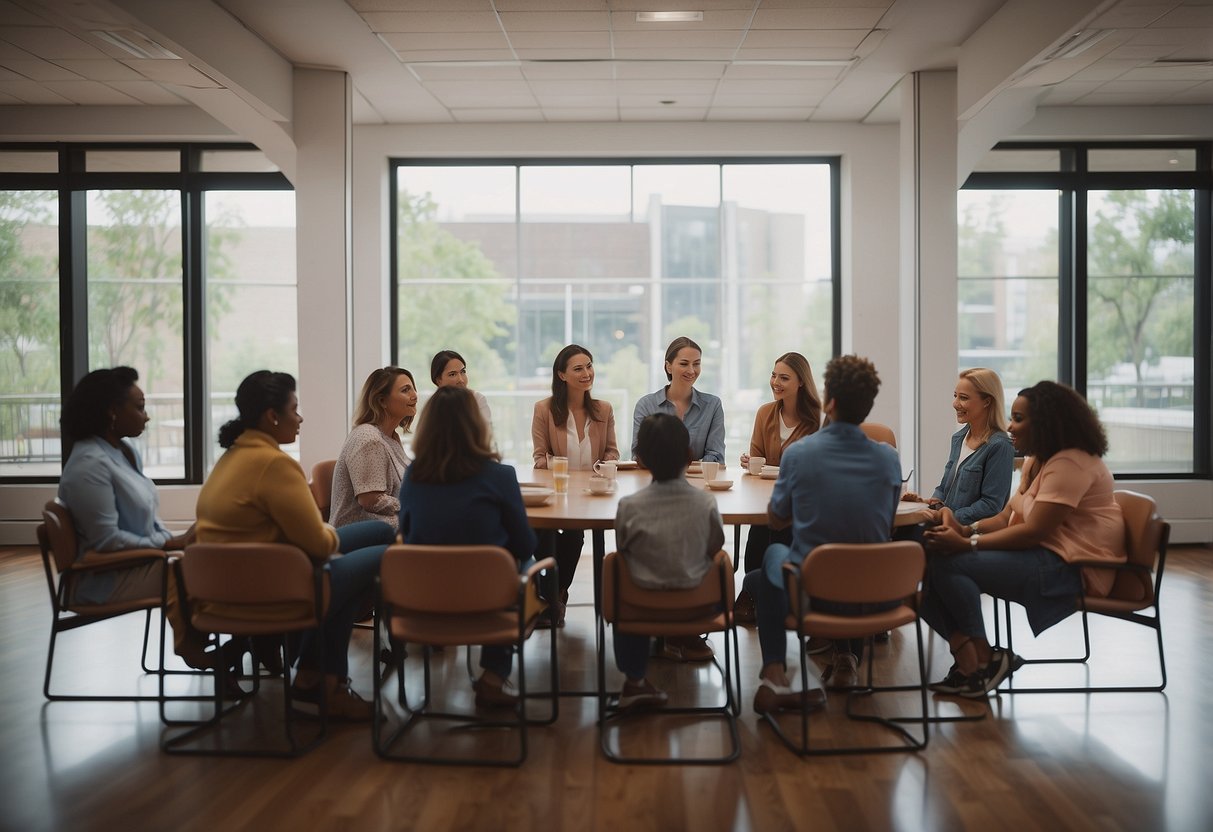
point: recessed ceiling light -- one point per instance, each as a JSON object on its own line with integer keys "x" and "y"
{"x": 669, "y": 17}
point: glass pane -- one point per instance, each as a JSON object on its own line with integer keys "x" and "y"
{"x": 777, "y": 278}
{"x": 29, "y": 161}
{"x": 1143, "y": 159}
{"x": 1001, "y": 161}
{"x": 29, "y": 333}
{"x": 1140, "y": 331}
{"x": 236, "y": 161}
{"x": 132, "y": 161}
{"x": 135, "y": 310}
{"x": 1007, "y": 265}
{"x": 250, "y": 268}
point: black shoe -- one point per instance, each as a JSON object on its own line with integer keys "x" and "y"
{"x": 953, "y": 683}
{"x": 987, "y": 680}
{"x": 268, "y": 651}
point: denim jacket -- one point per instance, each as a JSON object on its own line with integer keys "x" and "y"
{"x": 983, "y": 483}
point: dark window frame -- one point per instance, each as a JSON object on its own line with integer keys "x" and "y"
{"x": 72, "y": 182}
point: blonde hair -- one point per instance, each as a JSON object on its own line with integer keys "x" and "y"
{"x": 989, "y": 386}
{"x": 376, "y": 388}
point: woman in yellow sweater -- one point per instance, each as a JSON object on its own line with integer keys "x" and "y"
{"x": 257, "y": 493}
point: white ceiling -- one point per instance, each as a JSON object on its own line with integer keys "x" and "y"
{"x": 442, "y": 61}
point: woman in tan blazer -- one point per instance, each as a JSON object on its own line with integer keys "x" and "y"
{"x": 573, "y": 424}
{"x": 794, "y": 414}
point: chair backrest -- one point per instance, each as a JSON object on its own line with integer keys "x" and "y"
{"x": 879, "y": 433}
{"x": 60, "y": 533}
{"x": 449, "y": 579}
{"x": 248, "y": 573}
{"x": 1145, "y": 538}
{"x": 857, "y": 573}
{"x": 714, "y": 592}
{"x": 321, "y": 484}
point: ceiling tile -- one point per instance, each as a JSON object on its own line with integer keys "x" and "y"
{"x": 794, "y": 53}
{"x": 1200, "y": 94}
{"x": 106, "y": 70}
{"x": 728, "y": 39}
{"x": 662, "y": 114}
{"x": 745, "y": 72}
{"x": 31, "y": 92}
{"x": 594, "y": 71}
{"x": 800, "y": 86}
{"x": 550, "y": 5}
{"x": 732, "y": 19}
{"x": 37, "y": 70}
{"x": 833, "y": 18}
{"x": 49, "y": 42}
{"x": 8, "y": 52}
{"x": 669, "y": 85}
{"x": 1069, "y": 92}
{"x": 499, "y": 114}
{"x": 89, "y": 92}
{"x": 149, "y": 92}
{"x": 550, "y": 102}
{"x": 1188, "y": 17}
{"x": 432, "y": 21}
{"x": 404, "y": 42}
{"x": 445, "y": 72}
{"x": 1169, "y": 73}
{"x": 582, "y": 114}
{"x": 426, "y": 55}
{"x": 421, "y": 5}
{"x": 669, "y": 69}
{"x": 659, "y": 54}
{"x": 469, "y": 95}
{"x": 566, "y": 40}
{"x": 565, "y": 56}
{"x": 1140, "y": 52}
{"x": 173, "y": 72}
{"x": 735, "y": 100}
{"x": 14, "y": 15}
{"x": 572, "y": 87}
{"x": 759, "y": 113}
{"x": 1175, "y": 37}
{"x": 837, "y": 38}
{"x": 1144, "y": 89}
{"x": 1126, "y": 17}
{"x": 8, "y": 100}
{"x": 1112, "y": 99}
{"x": 1105, "y": 70}
{"x": 657, "y": 97}
{"x": 634, "y": 6}
{"x": 555, "y": 21}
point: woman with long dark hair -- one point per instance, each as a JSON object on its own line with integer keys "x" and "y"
{"x": 457, "y": 492}
{"x": 448, "y": 369}
{"x": 571, "y": 423}
{"x": 257, "y": 493}
{"x": 1066, "y": 512}
{"x": 366, "y": 480}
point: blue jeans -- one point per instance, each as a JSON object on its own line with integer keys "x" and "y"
{"x": 351, "y": 586}
{"x": 632, "y": 654}
{"x": 1042, "y": 582}
{"x": 765, "y": 585}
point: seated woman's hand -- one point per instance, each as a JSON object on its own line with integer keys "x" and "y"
{"x": 745, "y": 460}
{"x": 944, "y": 539}
{"x": 927, "y": 517}
{"x": 911, "y": 497}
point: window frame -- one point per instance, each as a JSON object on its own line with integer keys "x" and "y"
{"x": 72, "y": 182}
{"x": 1073, "y": 183}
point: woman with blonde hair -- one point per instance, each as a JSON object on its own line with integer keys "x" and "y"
{"x": 457, "y": 492}
{"x": 366, "y": 481}
{"x": 977, "y": 478}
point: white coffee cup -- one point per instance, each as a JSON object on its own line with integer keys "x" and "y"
{"x": 606, "y": 469}
{"x": 756, "y": 463}
{"x": 710, "y": 470}
{"x": 600, "y": 485}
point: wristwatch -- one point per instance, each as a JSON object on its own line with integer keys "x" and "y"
{"x": 973, "y": 542}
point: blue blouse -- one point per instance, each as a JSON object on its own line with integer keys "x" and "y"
{"x": 704, "y": 421}
{"x": 113, "y": 504}
{"x": 982, "y": 483}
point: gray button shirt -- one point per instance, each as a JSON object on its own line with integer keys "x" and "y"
{"x": 667, "y": 533}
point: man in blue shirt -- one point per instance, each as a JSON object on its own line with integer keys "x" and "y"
{"x": 834, "y": 486}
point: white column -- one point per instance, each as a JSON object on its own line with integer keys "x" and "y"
{"x": 322, "y": 132}
{"x": 928, "y": 361}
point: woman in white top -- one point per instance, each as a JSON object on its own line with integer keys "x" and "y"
{"x": 448, "y": 369}
{"x": 366, "y": 481}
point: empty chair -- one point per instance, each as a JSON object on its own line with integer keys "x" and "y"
{"x": 1134, "y": 592}
{"x": 879, "y": 433}
{"x": 321, "y": 484}
{"x": 451, "y": 596}
{"x": 707, "y": 608}
{"x": 855, "y": 573}
{"x": 251, "y": 589}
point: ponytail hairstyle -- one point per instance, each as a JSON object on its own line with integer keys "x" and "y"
{"x": 86, "y": 413}
{"x": 259, "y": 392}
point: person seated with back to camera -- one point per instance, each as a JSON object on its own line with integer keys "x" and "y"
{"x": 667, "y": 533}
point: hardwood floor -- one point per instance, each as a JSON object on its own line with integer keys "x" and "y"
{"x": 1104, "y": 761}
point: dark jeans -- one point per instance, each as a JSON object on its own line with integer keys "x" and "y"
{"x": 351, "y": 584}
{"x": 565, "y": 546}
{"x": 757, "y": 542}
{"x": 632, "y": 654}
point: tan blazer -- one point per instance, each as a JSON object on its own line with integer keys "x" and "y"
{"x": 550, "y": 439}
{"x": 765, "y": 440}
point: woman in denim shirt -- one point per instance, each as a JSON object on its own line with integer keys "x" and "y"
{"x": 977, "y": 479}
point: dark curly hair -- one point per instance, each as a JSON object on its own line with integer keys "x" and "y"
{"x": 852, "y": 382}
{"x": 1060, "y": 419}
{"x": 87, "y": 410}
{"x": 259, "y": 392}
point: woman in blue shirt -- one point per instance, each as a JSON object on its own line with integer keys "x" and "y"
{"x": 457, "y": 492}
{"x": 113, "y": 505}
{"x": 977, "y": 479}
{"x": 700, "y": 412}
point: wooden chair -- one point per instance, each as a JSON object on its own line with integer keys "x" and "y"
{"x": 452, "y": 596}
{"x": 252, "y": 589}
{"x": 1133, "y": 594}
{"x": 879, "y": 433}
{"x": 321, "y": 484}
{"x": 708, "y": 608}
{"x": 59, "y": 544}
{"x": 869, "y": 573}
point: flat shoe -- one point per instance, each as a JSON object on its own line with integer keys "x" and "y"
{"x": 493, "y": 696}
{"x": 771, "y": 697}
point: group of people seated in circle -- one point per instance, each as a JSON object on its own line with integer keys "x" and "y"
{"x": 835, "y": 484}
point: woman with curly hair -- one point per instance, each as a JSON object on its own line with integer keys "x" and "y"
{"x": 366, "y": 481}
{"x": 1066, "y": 512}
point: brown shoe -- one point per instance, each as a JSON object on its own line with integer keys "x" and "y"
{"x": 642, "y": 694}
{"x": 771, "y": 697}
{"x": 489, "y": 695}
{"x": 686, "y": 649}
{"x": 743, "y": 609}
{"x": 344, "y": 705}
{"x": 843, "y": 674}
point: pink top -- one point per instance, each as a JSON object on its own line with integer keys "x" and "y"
{"x": 1095, "y": 528}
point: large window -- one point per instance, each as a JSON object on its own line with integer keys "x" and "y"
{"x": 508, "y": 262}
{"x": 1090, "y": 265}
{"x": 170, "y": 259}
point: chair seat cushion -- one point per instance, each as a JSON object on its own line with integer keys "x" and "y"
{"x": 252, "y": 619}
{"x": 661, "y": 627}
{"x": 827, "y": 625}
{"x": 1116, "y": 605}
{"x": 500, "y": 627}
{"x": 115, "y": 607}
